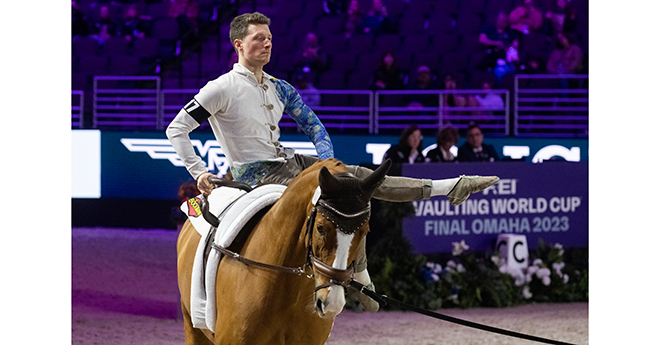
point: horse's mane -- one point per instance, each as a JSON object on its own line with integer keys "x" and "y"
{"x": 308, "y": 178}
{"x": 297, "y": 196}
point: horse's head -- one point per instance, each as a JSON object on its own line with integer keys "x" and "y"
{"x": 340, "y": 220}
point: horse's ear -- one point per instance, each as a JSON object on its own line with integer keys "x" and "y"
{"x": 372, "y": 181}
{"x": 327, "y": 182}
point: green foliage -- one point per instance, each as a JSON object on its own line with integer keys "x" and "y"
{"x": 470, "y": 279}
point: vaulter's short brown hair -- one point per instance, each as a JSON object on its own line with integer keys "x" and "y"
{"x": 238, "y": 28}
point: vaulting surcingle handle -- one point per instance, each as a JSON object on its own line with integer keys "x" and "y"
{"x": 220, "y": 182}
{"x": 211, "y": 219}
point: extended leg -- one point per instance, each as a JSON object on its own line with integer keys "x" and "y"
{"x": 399, "y": 189}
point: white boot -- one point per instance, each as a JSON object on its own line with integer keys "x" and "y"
{"x": 369, "y": 304}
{"x": 468, "y": 184}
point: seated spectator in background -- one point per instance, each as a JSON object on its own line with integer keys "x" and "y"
{"x": 105, "y": 27}
{"x": 409, "y": 149}
{"x": 309, "y": 94}
{"x": 377, "y": 21}
{"x": 424, "y": 80}
{"x": 79, "y": 23}
{"x": 311, "y": 57}
{"x": 388, "y": 75}
{"x": 496, "y": 41}
{"x": 353, "y": 18}
{"x": 447, "y": 137}
{"x": 566, "y": 58}
{"x": 186, "y": 13}
{"x": 488, "y": 99}
{"x": 561, "y": 18}
{"x": 451, "y": 99}
{"x": 526, "y": 17}
{"x": 474, "y": 149}
{"x": 134, "y": 24}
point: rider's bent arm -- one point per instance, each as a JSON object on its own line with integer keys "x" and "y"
{"x": 177, "y": 132}
{"x": 306, "y": 119}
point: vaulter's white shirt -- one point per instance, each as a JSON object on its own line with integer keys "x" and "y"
{"x": 244, "y": 117}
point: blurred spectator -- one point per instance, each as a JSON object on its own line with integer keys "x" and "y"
{"x": 488, "y": 99}
{"x": 526, "y": 17}
{"x": 561, "y": 18}
{"x": 135, "y": 25}
{"x": 105, "y": 27}
{"x": 474, "y": 149}
{"x": 424, "y": 80}
{"x": 497, "y": 40}
{"x": 186, "y": 13}
{"x": 79, "y": 23}
{"x": 447, "y": 137}
{"x": 353, "y": 19}
{"x": 566, "y": 58}
{"x": 409, "y": 148}
{"x": 310, "y": 95}
{"x": 311, "y": 57}
{"x": 451, "y": 99}
{"x": 388, "y": 75}
{"x": 377, "y": 21}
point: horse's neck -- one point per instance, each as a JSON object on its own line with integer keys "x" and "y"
{"x": 282, "y": 229}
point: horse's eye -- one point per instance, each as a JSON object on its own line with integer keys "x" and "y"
{"x": 319, "y": 228}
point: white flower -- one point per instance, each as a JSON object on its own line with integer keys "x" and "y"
{"x": 437, "y": 268}
{"x": 435, "y": 277}
{"x": 504, "y": 269}
{"x": 560, "y": 247}
{"x": 565, "y": 278}
{"x": 537, "y": 262}
{"x": 528, "y": 278}
{"x": 498, "y": 261}
{"x": 532, "y": 269}
{"x": 459, "y": 247}
{"x": 520, "y": 280}
{"x": 526, "y": 293}
{"x": 451, "y": 264}
{"x": 543, "y": 272}
{"x": 558, "y": 267}
{"x": 460, "y": 268}
{"x": 545, "y": 280}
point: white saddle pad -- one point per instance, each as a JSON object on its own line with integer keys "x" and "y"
{"x": 202, "y": 297}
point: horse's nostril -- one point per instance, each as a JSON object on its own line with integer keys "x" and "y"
{"x": 319, "y": 305}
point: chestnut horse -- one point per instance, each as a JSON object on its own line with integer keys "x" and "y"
{"x": 259, "y": 305}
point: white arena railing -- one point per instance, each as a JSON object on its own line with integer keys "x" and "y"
{"x": 543, "y": 105}
{"x": 551, "y": 105}
{"x": 77, "y": 109}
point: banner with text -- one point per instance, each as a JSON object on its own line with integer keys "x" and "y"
{"x": 548, "y": 200}
{"x": 143, "y": 165}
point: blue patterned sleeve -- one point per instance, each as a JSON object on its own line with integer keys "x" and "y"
{"x": 305, "y": 117}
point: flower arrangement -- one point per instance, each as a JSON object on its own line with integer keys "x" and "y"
{"x": 470, "y": 279}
